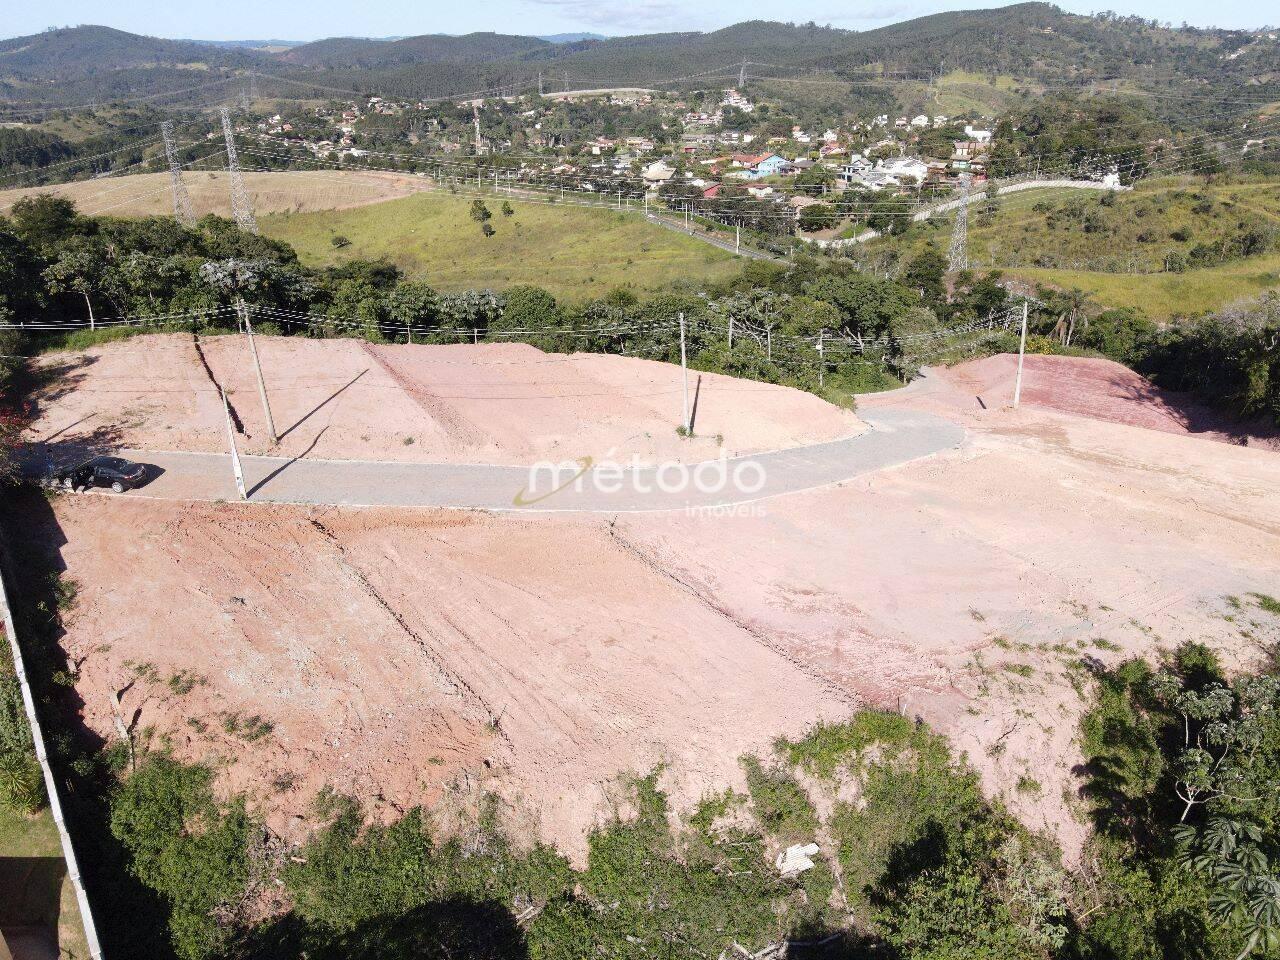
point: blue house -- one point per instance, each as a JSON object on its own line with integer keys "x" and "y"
{"x": 771, "y": 166}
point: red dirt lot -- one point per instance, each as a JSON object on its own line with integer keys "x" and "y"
{"x": 348, "y": 399}
{"x": 1102, "y": 390}
{"x": 410, "y": 656}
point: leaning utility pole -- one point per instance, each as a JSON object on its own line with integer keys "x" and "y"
{"x": 684, "y": 373}
{"x": 243, "y": 309}
{"x": 182, "y": 208}
{"x": 1022, "y": 352}
{"x": 235, "y": 454}
{"x": 958, "y": 255}
{"x": 241, "y": 207}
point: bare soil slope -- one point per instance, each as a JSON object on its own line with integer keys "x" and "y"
{"x": 1102, "y": 390}
{"x": 348, "y": 399}
{"x": 148, "y": 194}
{"x": 407, "y": 655}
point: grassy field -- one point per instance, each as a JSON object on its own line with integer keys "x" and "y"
{"x": 36, "y": 836}
{"x": 1164, "y": 295}
{"x": 1115, "y": 246}
{"x": 573, "y": 252}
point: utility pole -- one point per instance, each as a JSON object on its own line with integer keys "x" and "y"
{"x": 684, "y": 373}
{"x": 768, "y": 343}
{"x": 182, "y": 209}
{"x": 243, "y": 309}
{"x": 737, "y": 238}
{"x": 822, "y": 360}
{"x": 235, "y": 454}
{"x": 475, "y": 113}
{"x": 1022, "y": 352}
{"x": 241, "y": 207}
{"x": 731, "y": 333}
{"x": 742, "y": 74}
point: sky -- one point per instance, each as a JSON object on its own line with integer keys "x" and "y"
{"x": 314, "y": 19}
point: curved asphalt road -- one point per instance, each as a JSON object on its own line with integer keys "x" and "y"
{"x": 895, "y": 437}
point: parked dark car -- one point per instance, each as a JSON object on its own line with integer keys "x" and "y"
{"x": 115, "y": 472}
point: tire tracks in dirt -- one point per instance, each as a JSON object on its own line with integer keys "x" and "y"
{"x": 456, "y": 427}
{"x": 450, "y": 680}
{"x": 634, "y": 551}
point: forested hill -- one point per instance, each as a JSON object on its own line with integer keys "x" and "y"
{"x": 1037, "y": 40}
{"x": 433, "y": 48}
{"x": 76, "y": 52}
{"x": 1030, "y": 41}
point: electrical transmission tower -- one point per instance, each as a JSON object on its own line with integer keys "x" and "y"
{"x": 958, "y": 255}
{"x": 253, "y": 85}
{"x": 475, "y": 113}
{"x": 742, "y": 74}
{"x": 241, "y": 207}
{"x": 182, "y": 208}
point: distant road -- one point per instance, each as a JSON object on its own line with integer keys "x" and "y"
{"x": 677, "y": 224}
{"x": 896, "y": 436}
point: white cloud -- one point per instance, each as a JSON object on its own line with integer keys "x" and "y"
{"x": 629, "y": 15}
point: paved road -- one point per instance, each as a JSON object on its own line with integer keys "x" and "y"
{"x": 895, "y": 437}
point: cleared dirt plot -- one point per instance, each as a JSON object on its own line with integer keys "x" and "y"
{"x": 414, "y": 656}
{"x": 148, "y": 194}
{"x": 1103, "y": 390}
{"x": 348, "y": 399}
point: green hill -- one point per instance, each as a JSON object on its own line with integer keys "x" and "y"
{"x": 574, "y": 252}
{"x": 1169, "y": 248}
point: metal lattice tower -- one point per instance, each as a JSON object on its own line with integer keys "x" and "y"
{"x": 958, "y": 255}
{"x": 241, "y": 207}
{"x": 182, "y": 209}
{"x": 742, "y": 74}
{"x": 475, "y": 113}
{"x": 253, "y": 85}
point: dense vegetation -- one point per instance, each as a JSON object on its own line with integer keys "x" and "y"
{"x": 1182, "y": 769}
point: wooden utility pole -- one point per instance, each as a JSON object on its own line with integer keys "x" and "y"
{"x": 684, "y": 373}
{"x": 243, "y": 309}
{"x": 1022, "y": 352}
{"x": 235, "y": 455}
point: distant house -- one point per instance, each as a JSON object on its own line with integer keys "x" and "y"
{"x": 658, "y": 172}
{"x": 920, "y": 121}
{"x": 773, "y": 165}
{"x": 980, "y": 136}
{"x": 711, "y": 192}
{"x": 902, "y": 167}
